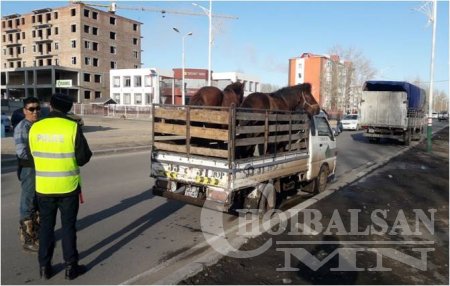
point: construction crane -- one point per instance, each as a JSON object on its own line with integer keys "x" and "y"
{"x": 113, "y": 7}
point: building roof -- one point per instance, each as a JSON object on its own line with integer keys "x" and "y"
{"x": 103, "y": 100}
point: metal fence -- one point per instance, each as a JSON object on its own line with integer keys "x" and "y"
{"x": 113, "y": 110}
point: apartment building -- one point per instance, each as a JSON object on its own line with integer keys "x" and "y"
{"x": 69, "y": 49}
{"x": 329, "y": 76}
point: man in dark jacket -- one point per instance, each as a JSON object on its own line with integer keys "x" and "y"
{"x": 29, "y": 222}
{"x": 58, "y": 147}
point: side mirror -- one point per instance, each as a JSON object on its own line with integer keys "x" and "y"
{"x": 335, "y": 131}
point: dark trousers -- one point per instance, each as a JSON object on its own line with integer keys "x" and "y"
{"x": 48, "y": 207}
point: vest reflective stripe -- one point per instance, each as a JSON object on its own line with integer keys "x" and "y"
{"x": 52, "y": 155}
{"x": 52, "y": 143}
{"x": 58, "y": 174}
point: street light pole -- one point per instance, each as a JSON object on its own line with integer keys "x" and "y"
{"x": 209, "y": 14}
{"x": 183, "y": 93}
{"x": 430, "y": 106}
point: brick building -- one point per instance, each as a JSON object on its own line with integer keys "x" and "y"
{"x": 75, "y": 44}
{"x": 329, "y": 76}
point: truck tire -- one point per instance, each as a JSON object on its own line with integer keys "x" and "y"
{"x": 321, "y": 180}
{"x": 268, "y": 198}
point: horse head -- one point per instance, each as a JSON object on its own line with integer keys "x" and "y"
{"x": 306, "y": 100}
{"x": 233, "y": 94}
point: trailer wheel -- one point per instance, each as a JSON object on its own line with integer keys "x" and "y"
{"x": 268, "y": 198}
{"x": 322, "y": 179}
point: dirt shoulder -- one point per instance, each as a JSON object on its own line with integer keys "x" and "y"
{"x": 389, "y": 227}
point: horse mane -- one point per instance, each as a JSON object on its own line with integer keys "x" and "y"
{"x": 237, "y": 88}
{"x": 304, "y": 87}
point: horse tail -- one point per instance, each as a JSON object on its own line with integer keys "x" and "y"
{"x": 197, "y": 99}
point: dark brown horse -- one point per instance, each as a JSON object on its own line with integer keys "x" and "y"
{"x": 293, "y": 98}
{"x": 233, "y": 94}
{"x": 207, "y": 96}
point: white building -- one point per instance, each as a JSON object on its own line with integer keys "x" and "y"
{"x": 137, "y": 87}
{"x": 252, "y": 83}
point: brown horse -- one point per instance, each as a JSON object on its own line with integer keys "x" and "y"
{"x": 233, "y": 94}
{"x": 207, "y": 96}
{"x": 293, "y": 98}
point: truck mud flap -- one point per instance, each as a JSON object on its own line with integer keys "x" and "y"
{"x": 192, "y": 201}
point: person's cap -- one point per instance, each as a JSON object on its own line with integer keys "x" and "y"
{"x": 61, "y": 102}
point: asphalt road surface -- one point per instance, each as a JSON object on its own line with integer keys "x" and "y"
{"x": 125, "y": 233}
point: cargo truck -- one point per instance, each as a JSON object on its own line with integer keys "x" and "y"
{"x": 392, "y": 109}
{"x": 212, "y": 170}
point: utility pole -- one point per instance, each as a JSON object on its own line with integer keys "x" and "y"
{"x": 431, "y": 14}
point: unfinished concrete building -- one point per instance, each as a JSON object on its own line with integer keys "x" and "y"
{"x": 69, "y": 49}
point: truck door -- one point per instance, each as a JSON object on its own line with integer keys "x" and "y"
{"x": 322, "y": 147}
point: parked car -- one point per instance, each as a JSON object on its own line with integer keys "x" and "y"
{"x": 6, "y": 122}
{"x": 443, "y": 116}
{"x": 350, "y": 122}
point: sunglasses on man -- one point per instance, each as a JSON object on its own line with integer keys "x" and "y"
{"x": 33, "y": 109}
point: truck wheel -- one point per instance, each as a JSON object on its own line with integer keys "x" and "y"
{"x": 322, "y": 179}
{"x": 268, "y": 198}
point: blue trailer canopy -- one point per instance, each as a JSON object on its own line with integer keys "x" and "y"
{"x": 416, "y": 95}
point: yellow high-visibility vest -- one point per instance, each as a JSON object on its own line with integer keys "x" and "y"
{"x": 52, "y": 144}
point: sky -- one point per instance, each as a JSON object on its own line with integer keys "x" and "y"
{"x": 392, "y": 35}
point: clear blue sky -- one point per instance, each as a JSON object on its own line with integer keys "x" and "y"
{"x": 392, "y": 35}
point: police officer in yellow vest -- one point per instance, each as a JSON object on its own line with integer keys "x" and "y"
{"x": 58, "y": 147}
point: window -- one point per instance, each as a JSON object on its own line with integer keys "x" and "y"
{"x": 138, "y": 98}
{"x": 86, "y": 29}
{"x": 112, "y": 49}
{"x": 73, "y": 28}
{"x": 56, "y": 62}
{"x": 135, "y": 54}
{"x": 112, "y": 35}
{"x": 126, "y": 81}
{"x": 135, "y": 27}
{"x": 87, "y": 94}
{"x": 86, "y": 13}
{"x": 116, "y": 81}
{"x": 113, "y": 65}
{"x": 39, "y": 33}
{"x": 19, "y": 64}
{"x": 87, "y": 44}
{"x": 24, "y": 64}
{"x": 112, "y": 20}
{"x": 73, "y": 12}
{"x": 87, "y": 77}
{"x": 33, "y": 33}
{"x": 49, "y": 62}
{"x": 94, "y": 46}
{"x": 17, "y": 36}
{"x": 148, "y": 97}
{"x": 148, "y": 80}
{"x": 74, "y": 60}
{"x": 98, "y": 94}
{"x": 74, "y": 43}
{"x": 135, "y": 41}
{"x": 323, "y": 128}
{"x": 126, "y": 98}
{"x": 56, "y": 31}
{"x": 55, "y": 15}
{"x": 94, "y": 31}
{"x": 23, "y": 21}
{"x": 23, "y": 35}
{"x": 94, "y": 15}
{"x": 33, "y": 19}
{"x": 34, "y": 48}
{"x": 49, "y": 32}
{"x": 11, "y": 64}
{"x": 137, "y": 81}
{"x": 116, "y": 97}
{"x": 48, "y": 16}
{"x": 39, "y": 18}
{"x": 95, "y": 62}
{"x": 40, "y": 63}
{"x": 87, "y": 61}
{"x": 97, "y": 78}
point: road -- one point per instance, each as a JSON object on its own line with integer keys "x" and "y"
{"x": 124, "y": 230}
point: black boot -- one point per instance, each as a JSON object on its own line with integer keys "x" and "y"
{"x": 46, "y": 271}
{"x": 73, "y": 270}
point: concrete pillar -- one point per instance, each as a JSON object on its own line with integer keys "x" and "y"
{"x": 53, "y": 80}
{"x": 35, "y": 83}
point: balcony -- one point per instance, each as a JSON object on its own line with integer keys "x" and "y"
{"x": 13, "y": 44}
{"x": 42, "y": 39}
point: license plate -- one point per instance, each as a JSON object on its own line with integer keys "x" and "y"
{"x": 191, "y": 192}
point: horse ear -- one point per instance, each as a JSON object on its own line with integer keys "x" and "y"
{"x": 307, "y": 87}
